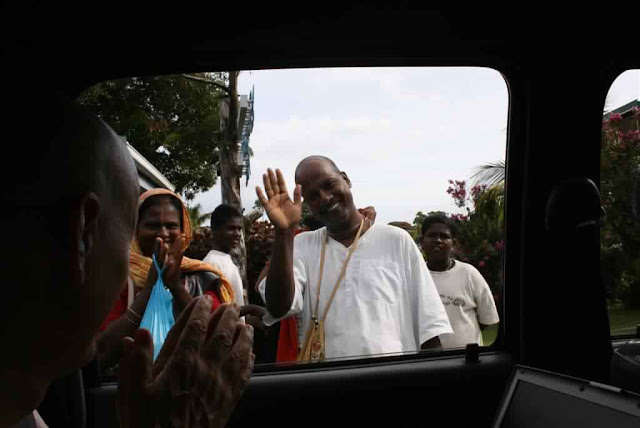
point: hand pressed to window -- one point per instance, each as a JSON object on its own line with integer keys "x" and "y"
{"x": 201, "y": 371}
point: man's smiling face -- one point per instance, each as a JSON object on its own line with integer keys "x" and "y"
{"x": 327, "y": 191}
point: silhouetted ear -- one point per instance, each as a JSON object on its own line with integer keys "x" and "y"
{"x": 346, "y": 178}
{"x": 84, "y": 227}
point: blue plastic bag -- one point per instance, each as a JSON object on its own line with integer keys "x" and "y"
{"x": 158, "y": 317}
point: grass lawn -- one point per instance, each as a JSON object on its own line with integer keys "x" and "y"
{"x": 490, "y": 333}
{"x": 623, "y": 321}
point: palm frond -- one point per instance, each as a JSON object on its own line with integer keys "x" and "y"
{"x": 204, "y": 218}
{"x": 489, "y": 174}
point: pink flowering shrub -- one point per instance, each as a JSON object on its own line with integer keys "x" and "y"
{"x": 620, "y": 235}
{"x": 480, "y": 238}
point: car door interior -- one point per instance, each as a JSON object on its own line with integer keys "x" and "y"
{"x": 554, "y": 313}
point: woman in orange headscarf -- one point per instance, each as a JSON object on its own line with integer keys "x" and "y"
{"x": 163, "y": 229}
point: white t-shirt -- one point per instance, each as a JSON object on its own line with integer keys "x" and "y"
{"x": 386, "y": 303}
{"x": 224, "y": 262}
{"x": 468, "y": 300}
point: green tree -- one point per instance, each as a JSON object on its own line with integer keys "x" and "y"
{"x": 196, "y": 216}
{"x": 480, "y": 234}
{"x": 173, "y": 121}
{"x": 620, "y": 235}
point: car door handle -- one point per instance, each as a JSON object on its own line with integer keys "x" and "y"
{"x": 574, "y": 204}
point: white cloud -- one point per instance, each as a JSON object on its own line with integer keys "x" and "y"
{"x": 399, "y": 133}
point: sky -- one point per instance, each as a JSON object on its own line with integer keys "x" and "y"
{"x": 399, "y": 133}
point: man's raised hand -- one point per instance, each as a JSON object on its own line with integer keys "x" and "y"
{"x": 281, "y": 210}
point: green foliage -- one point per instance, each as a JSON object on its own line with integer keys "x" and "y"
{"x": 480, "y": 241}
{"x": 480, "y": 229}
{"x": 171, "y": 120}
{"x": 258, "y": 242}
{"x": 620, "y": 235}
{"x": 196, "y": 216}
{"x": 200, "y": 243}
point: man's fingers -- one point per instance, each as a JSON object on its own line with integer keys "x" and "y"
{"x": 368, "y": 212}
{"x": 141, "y": 360}
{"x": 267, "y": 185}
{"x": 215, "y": 318}
{"x": 274, "y": 182}
{"x": 263, "y": 200}
{"x": 194, "y": 332}
{"x": 297, "y": 195}
{"x": 124, "y": 380}
{"x": 221, "y": 339}
{"x": 255, "y": 310}
{"x": 255, "y": 322}
{"x": 282, "y": 185}
{"x": 239, "y": 364}
{"x": 134, "y": 377}
{"x": 173, "y": 336}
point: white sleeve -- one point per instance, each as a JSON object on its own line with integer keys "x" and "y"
{"x": 300, "y": 277}
{"x": 236, "y": 284}
{"x": 485, "y": 305}
{"x": 429, "y": 316}
{"x": 209, "y": 259}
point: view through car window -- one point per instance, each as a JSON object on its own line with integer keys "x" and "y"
{"x": 392, "y": 242}
{"x": 620, "y": 234}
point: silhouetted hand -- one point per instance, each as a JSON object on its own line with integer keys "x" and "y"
{"x": 253, "y": 316}
{"x": 199, "y": 376}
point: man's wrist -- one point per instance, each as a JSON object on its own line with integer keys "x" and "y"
{"x": 285, "y": 233}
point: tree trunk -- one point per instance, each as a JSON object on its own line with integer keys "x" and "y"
{"x": 230, "y": 172}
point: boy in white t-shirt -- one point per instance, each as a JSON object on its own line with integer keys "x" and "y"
{"x": 465, "y": 294}
{"x": 226, "y": 231}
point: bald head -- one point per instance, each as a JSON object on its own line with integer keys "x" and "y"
{"x": 310, "y": 160}
{"x": 67, "y": 151}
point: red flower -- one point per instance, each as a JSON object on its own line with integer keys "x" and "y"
{"x": 481, "y": 263}
{"x": 632, "y": 135}
{"x": 615, "y": 117}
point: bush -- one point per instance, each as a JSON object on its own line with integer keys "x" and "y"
{"x": 200, "y": 243}
{"x": 258, "y": 241}
{"x": 480, "y": 238}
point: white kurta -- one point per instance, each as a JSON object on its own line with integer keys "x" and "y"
{"x": 386, "y": 303}
{"x": 224, "y": 262}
